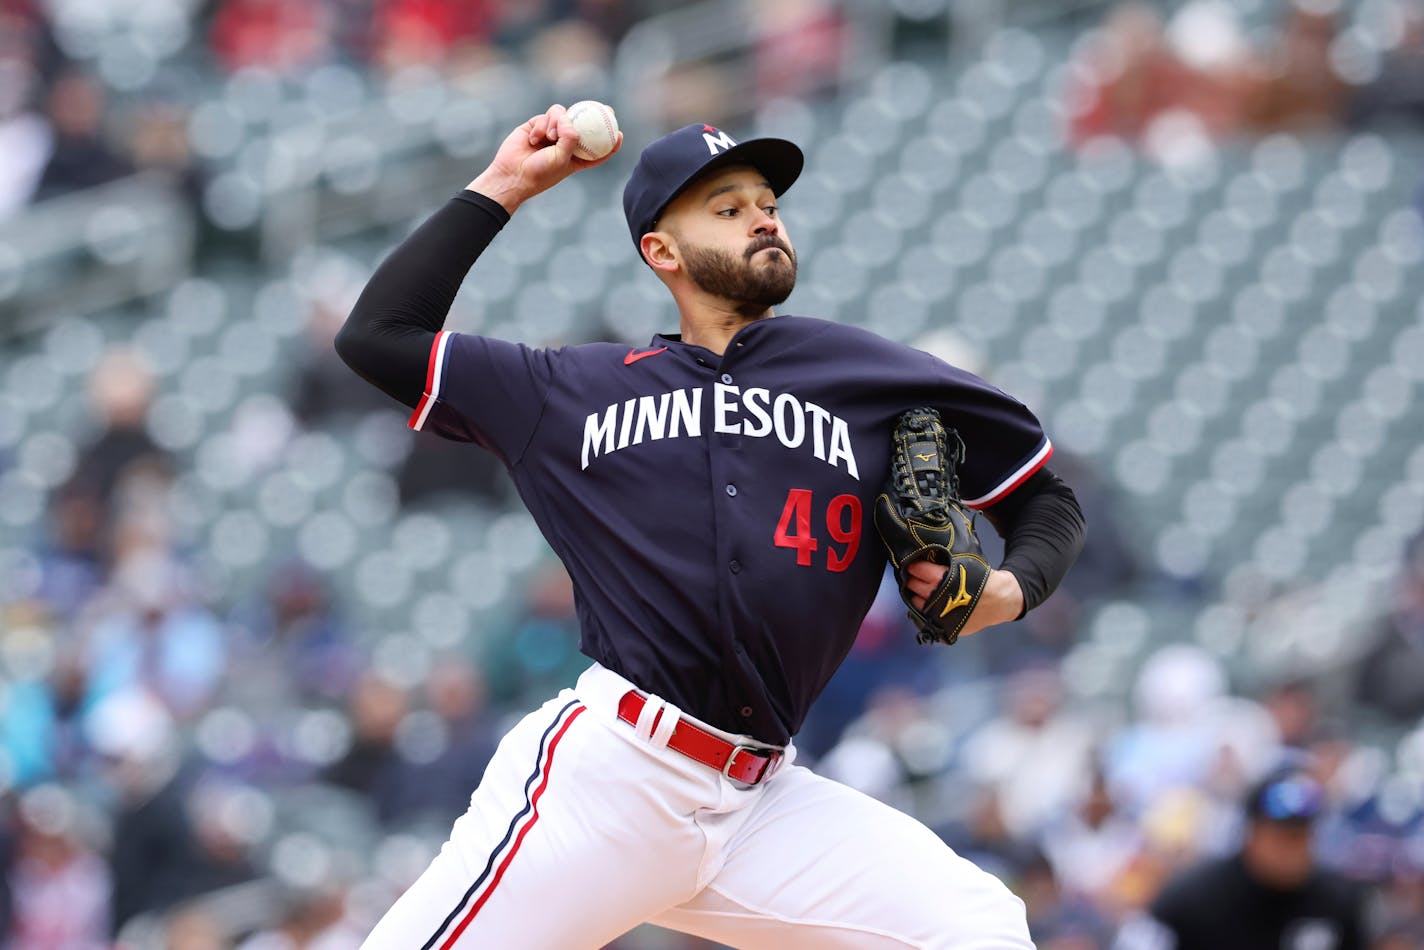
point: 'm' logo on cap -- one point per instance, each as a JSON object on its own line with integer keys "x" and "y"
{"x": 720, "y": 143}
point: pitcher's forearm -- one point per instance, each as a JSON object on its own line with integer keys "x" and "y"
{"x": 387, "y": 337}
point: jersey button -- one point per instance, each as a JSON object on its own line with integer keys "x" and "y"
{"x": 735, "y": 566}
{"x": 731, "y": 491}
{"x": 746, "y": 712}
{"x": 727, "y": 379}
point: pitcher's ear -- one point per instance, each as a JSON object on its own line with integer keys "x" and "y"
{"x": 659, "y": 250}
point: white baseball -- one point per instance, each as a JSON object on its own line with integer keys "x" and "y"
{"x": 597, "y": 128}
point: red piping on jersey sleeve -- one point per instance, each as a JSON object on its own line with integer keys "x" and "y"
{"x": 433, "y": 373}
{"x": 1017, "y": 478}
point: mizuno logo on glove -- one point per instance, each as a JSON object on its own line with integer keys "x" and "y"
{"x": 961, "y": 598}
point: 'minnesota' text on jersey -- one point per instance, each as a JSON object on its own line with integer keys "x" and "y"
{"x": 713, "y": 511}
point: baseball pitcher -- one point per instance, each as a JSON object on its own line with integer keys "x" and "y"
{"x": 723, "y": 499}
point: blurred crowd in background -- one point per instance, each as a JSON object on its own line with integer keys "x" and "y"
{"x": 1169, "y": 84}
{"x": 1173, "y": 86}
{"x": 67, "y": 122}
{"x": 163, "y": 740}
{"x": 75, "y": 112}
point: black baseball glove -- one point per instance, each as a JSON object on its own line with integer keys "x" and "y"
{"x": 919, "y": 517}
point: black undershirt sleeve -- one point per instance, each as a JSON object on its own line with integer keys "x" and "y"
{"x": 1043, "y": 529}
{"x": 387, "y": 337}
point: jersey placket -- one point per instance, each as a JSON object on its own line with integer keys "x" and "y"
{"x": 727, "y": 470}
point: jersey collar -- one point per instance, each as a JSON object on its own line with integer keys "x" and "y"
{"x": 740, "y": 338}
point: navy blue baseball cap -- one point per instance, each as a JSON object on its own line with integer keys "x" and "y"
{"x": 670, "y": 164}
{"x": 1285, "y": 796}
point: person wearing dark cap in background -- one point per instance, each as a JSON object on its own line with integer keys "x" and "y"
{"x": 1270, "y": 894}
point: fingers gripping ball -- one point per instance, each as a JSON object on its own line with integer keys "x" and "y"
{"x": 920, "y": 517}
{"x": 597, "y": 128}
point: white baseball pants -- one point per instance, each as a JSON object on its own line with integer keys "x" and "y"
{"x": 585, "y": 827}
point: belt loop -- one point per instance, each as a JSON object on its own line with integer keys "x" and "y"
{"x": 667, "y": 725}
{"x": 647, "y": 717}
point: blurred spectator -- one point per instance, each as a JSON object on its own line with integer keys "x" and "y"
{"x": 427, "y": 33}
{"x": 8, "y": 829}
{"x": 541, "y": 652}
{"x": 29, "y": 31}
{"x": 154, "y": 852}
{"x": 42, "y": 735}
{"x": 1293, "y": 708}
{"x": 81, "y": 156}
{"x": 1092, "y": 844}
{"x": 193, "y": 929}
{"x": 292, "y": 647}
{"x": 694, "y": 91}
{"x": 25, "y": 141}
{"x": 372, "y": 766}
{"x": 1035, "y": 754}
{"x": 121, "y": 390}
{"x": 878, "y": 754}
{"x": 611, "y": 18}
{"x": 155, "y": 636}
{"x": 25, "y": 137}
{"x": 800, "y": 48}
{"x": 284, "y": 35}
{"x": 1395, "y": 96}
{"x": 1175, "y": 89}
{"x": 311, "y": 920}
{"x": 439, "y": 786}
{"x": 1391, "y": 675}
{"x": 1189, "y": 733}
{"x": 324, "y": 391}
{"x": 72, "y": 554}
{"x": 1059, "y": 919}
{"x": 60, "y": 886}
{"x": 568, "y": 42}
{"x": 226, "y": 820}
{"x": 516, "y": 25}
{"x": 1293, "y": 87}
{"x": 351, "y": 29}
{"x": 570, "y": 56}
{"x": 1399, "y": 935}
{"x": 1401, "y": 908}
{"x": 159, "y": 143}
{"x": 1133, "y": 79}
{"x": 1180, "y": 827}
{"x": 1042, "y": 639}
{"x": 1268, "y": 894}
{"x": 981, "y": 836}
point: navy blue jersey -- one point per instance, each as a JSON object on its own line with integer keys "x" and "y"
{"x": 714, "y": 511}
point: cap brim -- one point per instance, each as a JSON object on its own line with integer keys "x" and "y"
{"x": 779, "y": 160}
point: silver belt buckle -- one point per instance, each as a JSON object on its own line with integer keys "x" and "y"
{"x": 765, "y": 754}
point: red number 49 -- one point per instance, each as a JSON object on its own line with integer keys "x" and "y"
{"x": 793, "y": 530}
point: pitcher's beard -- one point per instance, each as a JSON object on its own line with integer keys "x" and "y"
{"x": 752, "y": 286}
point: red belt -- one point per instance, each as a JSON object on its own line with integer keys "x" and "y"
{"x": 741, "y": 763}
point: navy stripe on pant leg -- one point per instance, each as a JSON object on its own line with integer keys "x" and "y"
{"x": 509, "y": 832}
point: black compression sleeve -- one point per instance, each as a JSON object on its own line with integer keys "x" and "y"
{"x": 388, "y": 335}
{"x": 1042, "y": 527}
